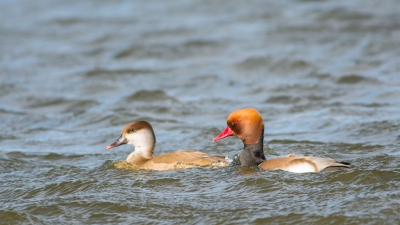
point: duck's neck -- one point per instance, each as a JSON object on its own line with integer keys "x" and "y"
{"x": 142, "y": 154}
{"x": 253, "y": 154}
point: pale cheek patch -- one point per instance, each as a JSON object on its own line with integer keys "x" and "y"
{"x": 133, "y": 138}
{"x": 137, "y": 137}
{"x": 141, "y": 138}
{"x": 301, "y": 168}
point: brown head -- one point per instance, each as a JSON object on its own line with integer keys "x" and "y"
{"x": 139, "y": 134}
{"x": 246, "y": 124}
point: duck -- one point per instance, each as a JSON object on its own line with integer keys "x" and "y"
{"x": 140, "y": 134}
{"x": 247, "y": 124}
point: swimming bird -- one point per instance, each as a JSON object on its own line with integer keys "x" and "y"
{"x": 140, "y": 134}
{"x": 248, "y": 126}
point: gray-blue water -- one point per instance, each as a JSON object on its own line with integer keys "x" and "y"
{"x": 325, "y": 75}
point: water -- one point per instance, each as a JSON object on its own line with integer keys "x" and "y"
{"x": 324, "y": 75}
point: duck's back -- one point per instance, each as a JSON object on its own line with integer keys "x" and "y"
{"x": 190, "y": 157}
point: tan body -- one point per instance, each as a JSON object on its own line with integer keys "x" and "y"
{"x": 173, "y": 160}
{"x": 248, "y": 126}
{"x": 140, "y": 134}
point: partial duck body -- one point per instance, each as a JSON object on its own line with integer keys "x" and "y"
{"x": 248, "y": 126}
{"x": 140, "y": 134}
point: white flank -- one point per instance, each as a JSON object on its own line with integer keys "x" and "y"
{"x": 301, "y": 168}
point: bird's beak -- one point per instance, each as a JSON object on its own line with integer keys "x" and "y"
{"x": 120, "y": 141}
{"x": 226, "y": 133}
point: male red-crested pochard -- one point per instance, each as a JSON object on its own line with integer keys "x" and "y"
{"x": 140, "y": 134}
{"x": 247, "y": 125}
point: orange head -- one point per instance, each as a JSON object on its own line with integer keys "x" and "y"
{"x": 245, "y": 124}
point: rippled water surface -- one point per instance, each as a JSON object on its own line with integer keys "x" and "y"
{"x": 325, "y": 75}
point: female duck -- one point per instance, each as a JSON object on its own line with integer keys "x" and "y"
{"x": 140, "y": 134}
{"x": 247, "y": 125}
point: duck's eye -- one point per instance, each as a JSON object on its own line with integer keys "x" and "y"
{"x": 234, "y": 122}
